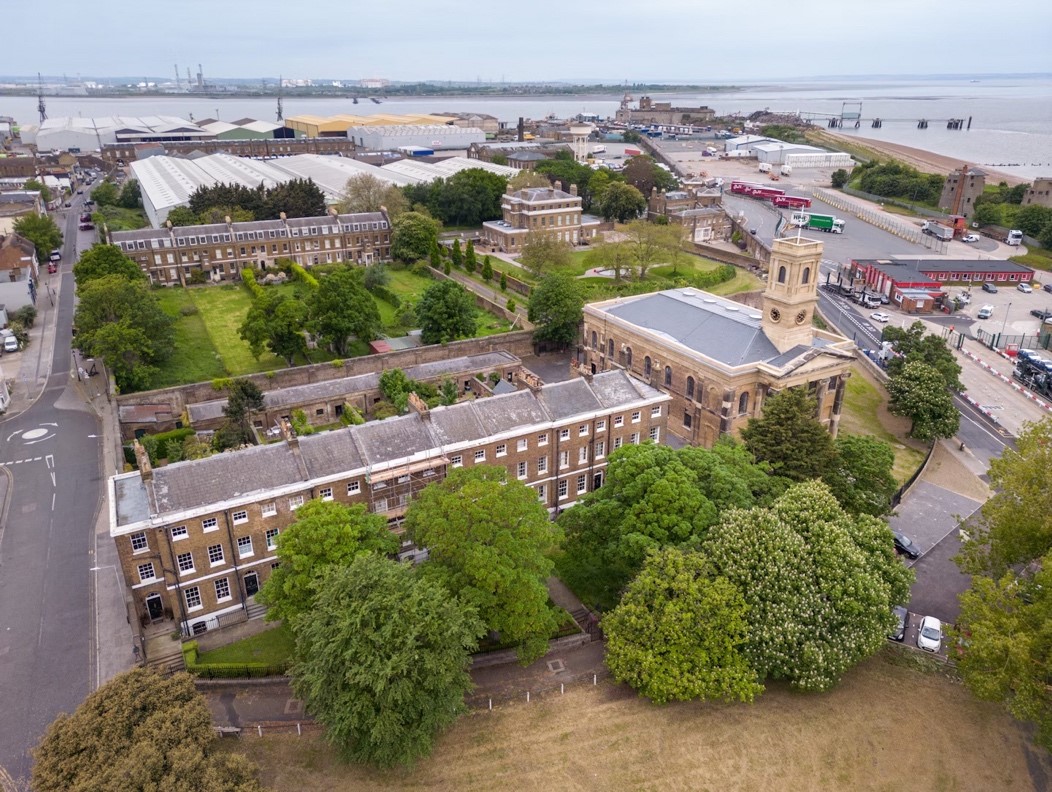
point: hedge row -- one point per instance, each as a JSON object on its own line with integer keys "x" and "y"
{"x": 228, "y": 670}
{"x": 156, "y": 446}
{"x": 248, "y": 277}
{"x": 300, "y": 274}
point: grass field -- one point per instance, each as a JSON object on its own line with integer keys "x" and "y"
{"x": 1038, "y": 258}
{"x": 865, "y": 411}
{"x": 884, "y": 728}
{"x": 272, "y": 647}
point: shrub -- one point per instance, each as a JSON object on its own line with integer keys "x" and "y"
{"x": 159, "y": 446}
{"x": 298, "y": 273}
{"x": 227, "y": 670}
{"x": 248, "y": 277}
{"x": 188, "y": 310}
{"x": 26, "y": 315}
{"x": 197, "y": 277}
{"x": 511, "y": 305}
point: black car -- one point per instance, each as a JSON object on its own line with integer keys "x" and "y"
{"x": 905, "y": 545}
{"x": 902, "y": 619}
{"x": 1047, "y": 287}
{"x": 1041, "y": 313}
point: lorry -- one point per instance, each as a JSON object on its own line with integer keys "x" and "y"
{"x": 819, "y": 222}
{"x": 632, "y": 152}
{"x": 1014, "y": 238}
{"x": 765, "y": 167}
{"x": 936, "y": 230}
{"x": 786, "y": 170}
{"x": 599, "y": 149}
{"x": 791, "y": 202}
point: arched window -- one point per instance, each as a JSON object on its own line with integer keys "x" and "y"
{"x": 646, "y": 366}
{"x": 628, "y": 358}
{"x": 690, "y": 387}
{"x": 668, "y": 377}
{"x": 781, "y": 274}
{"x": 610, "y": 348}
{"x": 743, "y": 404}
{"x": 595, "y": 340}
{"x": 807, "y": 275}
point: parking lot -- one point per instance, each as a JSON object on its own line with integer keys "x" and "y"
{"x": 1011, "y": 308}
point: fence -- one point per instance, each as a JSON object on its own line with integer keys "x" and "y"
{"x": 880, "y": 220}
{"x": 1004, "y": 341}
{"x": 921, "y": 210}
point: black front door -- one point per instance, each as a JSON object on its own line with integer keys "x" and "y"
{"x": 251, "y": 584}
{"x": 154, "y": 607}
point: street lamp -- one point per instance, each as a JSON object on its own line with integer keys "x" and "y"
{"x": 1005, "y": 323}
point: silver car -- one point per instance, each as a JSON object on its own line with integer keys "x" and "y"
{"x": 929, "y": 637}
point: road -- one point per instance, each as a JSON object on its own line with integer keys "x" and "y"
{"x": 51, "y": 453}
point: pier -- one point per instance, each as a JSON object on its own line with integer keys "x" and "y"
{"x": 851, "y": 116}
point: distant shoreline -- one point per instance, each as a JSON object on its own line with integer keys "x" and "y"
{"x": 925, "y": 161}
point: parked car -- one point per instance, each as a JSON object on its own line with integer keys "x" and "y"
{"x": 989, "y": 287}
{"x": 51, "y": 268}
{"x": 86, "y": 226}
{"x": 985, "y": 312}
{"x": 68, "y": 204}
{"x": 1041, "y": 313}
{"x": 902, "y": 619}
{"x": 929, "y": 637}
{"x": 1047, "y": 287}
{"x": 80, "y": 192}
{"x": 878, "y": 316}
{"x": 905, "y": 545}
{"x": 964, "y": 298}
{"x": 10, "y": 343}
{"x": 1025, "y": 288}
{"x": 971, "y": 238}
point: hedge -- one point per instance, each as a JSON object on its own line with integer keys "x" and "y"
{"x": 228, "y": 670}
{"x": 156, "y": 446}
{"x": 248, "y": 277}
{"x": 303, "y": 276}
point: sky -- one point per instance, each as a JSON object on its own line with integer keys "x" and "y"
{"x": 691, "y": 41}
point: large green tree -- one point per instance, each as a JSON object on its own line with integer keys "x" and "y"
{"x": 643, "y": 173}
{"x": 819, "y": 589}
{"x": 789, "y": 438}
{"x": 543, "y": 253}
{"x": 556, "y": 308}
{"x": 614, "y": 256}
{"x": 341, "y": 307}
{"x": 652, "y": 244}
{"x": 678, "y": 633}
{"x": 294, "y": 198}
{"x": 113, "y": 300}
{"x": 860, "y": 476}
{"x": 488, "y": 540}
{"x": 383, "y": 658}
{"x": 653, "y": 497}
{"x": 919, "y": 392}
{"x": 106, "y": 194}
{"x": 38, "y": 186}
{"x": 621, "y": 202}
{"x": 446, "y": 311}
{"x": 325, "y": 534}
{"x": 182, "y": 216}
{"x": 139, "y": 731}
{"x": 41, "y": 231}
{"x": 364, "y": 192}
{"x": 131, "y": 195}
{"x": 101, "y": 260}
{"x": 128, "y": 353}
{"x": 276, "y": 321}
{"x": 413, "y": 236}
{"x": 915, "y": 343}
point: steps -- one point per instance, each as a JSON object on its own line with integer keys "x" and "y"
{"x": 256, "y": 610}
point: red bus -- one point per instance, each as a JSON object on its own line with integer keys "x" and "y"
{"x": 791, "y": 202}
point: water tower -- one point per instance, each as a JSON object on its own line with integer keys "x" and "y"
{"x": 580, "y": 133}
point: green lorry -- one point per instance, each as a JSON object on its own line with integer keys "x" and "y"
{"x": 820, "y": 222}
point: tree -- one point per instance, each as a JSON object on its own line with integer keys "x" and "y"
{"x": 341, "y": 307}
{"x": 113, "y": 300}
{"x": 106, "y": 194}
{"x": 366, "y": 193}
{"x": 599, "y": 181}
{"x": 653, "y": 497}
{"x": 276, "y": 321}
{"x": 446, "y": 312}
{"x": 413, "y": 237}
{"x": 614, "y": 256}
{"x": 219, "y": 214}
{"x": 488, "y": 540}
{"x": 621, "y": 202}
{"x": 182, "y": 216}
{"x": 789, "y": 438}
{"x": 503, "y": 280}
{"x": 1004, "y": 623}
{"x": 819, "y": 600}
{"x": 38, "y": 186}
{"x": 565, "y": 170}
{"x": 652, "y": 244}
{"x": 1045, "y": 237}
{"x": 469, "y": 197}
{"x": 839, "y": 178}
{"x": 916, "y": 344}
{"x": 1015, "y": 527}
{"x": 325, "y": 534}
{"x": 41, "y": 231}
{"x": 140, "y": 730}
{"x": 860, "y": 476}
{"x": 100, "y": 260}
{"x": 918, "y": 392}
{"x": 244, "y": 399}
{"x": 456, "y": 254}
{"x": 987, "y": 214}
{"x": 296, "y": 198}
{"x": 643, "y": 173}
{"x": 384, "y": 655}
{"x": 1032, "y": 218}
{"x": 556, "y": 308}
{"x": 543, "y": 253}
{"x": 678, "y": 633}
{"x": 470, "y": 259}
{"x": 487, "y": 271}
{"x": 396, "y": 387}
{"x": 251, "y": 199}
{"x": 448, "y": 393}
{"x": 526, "y": 178}
{"x": 131, "y": 195}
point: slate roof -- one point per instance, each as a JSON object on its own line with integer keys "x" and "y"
{"x": 717, "y": 328}
{"x": 903, "y": 269}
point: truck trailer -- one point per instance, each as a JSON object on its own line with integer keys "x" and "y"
{"x": 819, "y": 222}
{"x": 936, "y": 230}
{"x": 791, "y": 202}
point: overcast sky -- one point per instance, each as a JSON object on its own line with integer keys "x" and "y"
{"x": 698, "y": 41}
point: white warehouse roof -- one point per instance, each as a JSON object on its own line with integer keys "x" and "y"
{"x": 419, "y": 171}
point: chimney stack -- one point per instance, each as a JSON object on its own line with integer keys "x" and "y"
{"x": 142, "y": 459}
{"x": 529, "y": 379}
{"x": 521, "y": 130}
{"x": 558, "y": 185}
{"x": 417, "y": 405}
{"x": 573, "y": 190}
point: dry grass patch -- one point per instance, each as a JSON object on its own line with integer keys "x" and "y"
{"x": 885, "y": 728}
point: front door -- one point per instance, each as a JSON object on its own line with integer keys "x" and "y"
{"x": 154, "y": 607}
{"x": 251, "y": 584}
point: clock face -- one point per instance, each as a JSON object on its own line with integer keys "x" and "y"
{"x": 801, "y": 317}
{"x": 775, "y": 315}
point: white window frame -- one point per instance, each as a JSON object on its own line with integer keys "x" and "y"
{"x": 564, "y": 459}
{"x": 655, "y": 433}
{"x": 272, "y": 538}
{"x": 135, "y": 538}
{"x": 655, "y": 412}
{"x": 325, "y": 493}
{"x": 582, "y": 455}
{"x": 501, "y": 450}
{"x": 456, "y": 461}
{"x": 179, "y": 563}
{"x": 637, "y": 416}
{"x": 563, "y": 489}
{"x": 542, "y": 464}
{"x": 600, "y": 425}
{"x": 523, "y": 444}
{"x": 582, "y": 484}
{"x": 192, "y": 595}
{"x": 618, "y": 442}
{"x": 635, "y": 438}
{"x": 240, "y": 517}
{"x": 179, "y": 532}
{"x": 241, "y": 547}
{"x": 523, "y": 470}
{"x": 564, "y": 434}
{"x": 209, "y": 524}
{"x": 222, "y": 555}
{"x": 268, "y": 509}
{"x": 295, "y": 502}
{"x": 582, "y": 430}
{"x": 542, "y": 439}
{"x": 354, "y": 487}
{"x": 147, "y": 578}
{"x": 224, "y": 582}
{"x": 619, "y": 420}
{"x": 480, "y": 455}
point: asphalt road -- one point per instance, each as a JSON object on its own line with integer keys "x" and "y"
{"x": 52, "y": 452}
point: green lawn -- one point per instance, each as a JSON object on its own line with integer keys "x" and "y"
{"x": 1038, "y": 258}
{"x": 223, "y": 309}
{"x": 865, "y": 412}
{"x": 119, "y": 219}
{"x": 272, "y": 647}
{"x": 194, "y": 356}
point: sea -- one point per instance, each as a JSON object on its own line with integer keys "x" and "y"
{"x": 1011, "y": 117}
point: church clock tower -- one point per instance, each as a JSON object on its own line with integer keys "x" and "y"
{"x": 792, "y": 292}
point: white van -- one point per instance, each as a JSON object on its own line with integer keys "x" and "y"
{"x": 10, "y": 343}
{"x": 985, "y": 312}
{"x": 786, "y": 170}
{"x": 765, "y": 167}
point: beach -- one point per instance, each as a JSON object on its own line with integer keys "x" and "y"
{"x": 925, "y": 161}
